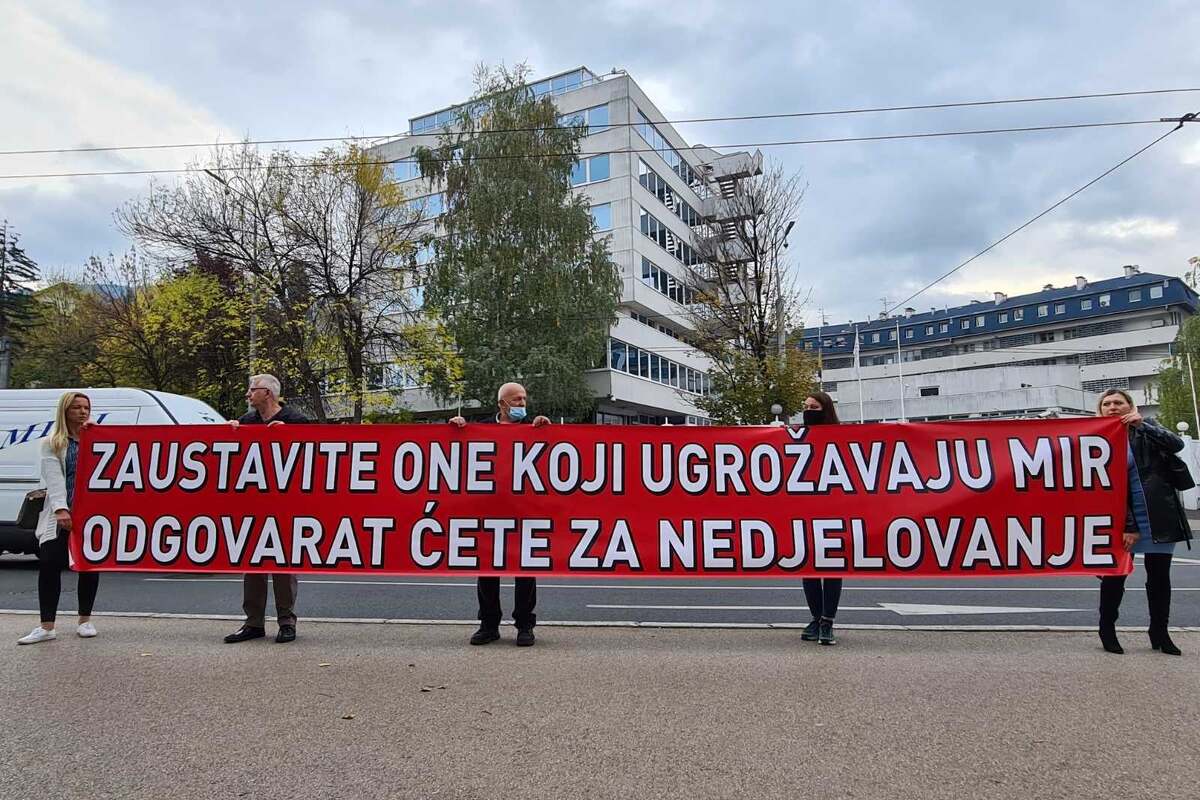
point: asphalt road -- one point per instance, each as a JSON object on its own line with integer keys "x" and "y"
{"x": 1021, "y": 602}
{"x": 153, "y": 709}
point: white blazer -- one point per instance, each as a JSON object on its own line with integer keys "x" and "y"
{"x": 54, "y": 475}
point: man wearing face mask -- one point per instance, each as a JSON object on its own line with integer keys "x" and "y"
{"x": 511, "y": 401}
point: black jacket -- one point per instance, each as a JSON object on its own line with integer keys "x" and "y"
{"x": 286, "y": 414}
{"x": 1151, "y": 445}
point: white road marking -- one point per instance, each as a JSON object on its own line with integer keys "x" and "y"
{"x": 724, "y": 608}
{"x": 918, "y": 609}
{"x": 1000, "y": 587}
{"x": 903, "y": 609}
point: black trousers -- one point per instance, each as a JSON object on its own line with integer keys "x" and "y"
{"x": 52, "y": 560}
{"x": 490, "y": 613}
{"x": 823, "y": 595}
{"x": 1158, "y": 592}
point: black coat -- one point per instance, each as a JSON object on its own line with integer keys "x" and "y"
{"x": 1151, "y": 445}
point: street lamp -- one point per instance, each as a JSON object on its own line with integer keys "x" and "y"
{"x": 779, "y": 316}
{"x": 250, "y": 278}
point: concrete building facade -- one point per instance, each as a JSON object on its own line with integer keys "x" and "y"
{"x": 1052, "y": 351}
{"x": 651, "y": 195}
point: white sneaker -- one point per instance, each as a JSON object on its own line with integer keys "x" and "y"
{"x": 86, "y": 630}
{"x": 38, "y": 634}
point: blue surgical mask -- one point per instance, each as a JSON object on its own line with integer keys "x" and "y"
{"x": 516, "y": 413}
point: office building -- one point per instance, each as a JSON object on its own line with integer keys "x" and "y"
{"x": 651, "y": 195}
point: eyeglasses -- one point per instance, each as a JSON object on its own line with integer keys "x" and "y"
{"x": 257, "y": 389}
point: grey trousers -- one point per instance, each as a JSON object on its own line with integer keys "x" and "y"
{"x": 254, "y": 598}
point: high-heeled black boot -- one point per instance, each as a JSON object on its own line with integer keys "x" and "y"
{"x": 1158, "y": 598}
{"x": 1111, "y": 592}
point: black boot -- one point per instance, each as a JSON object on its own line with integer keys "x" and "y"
{"x": 1158, "y": 598}
{"x": 1111, "y": 592}
{"x": 811, "y": 631}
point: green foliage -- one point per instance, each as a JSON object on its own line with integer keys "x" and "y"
{"x": 745, "y": 387}
{"x": 60, "y": 342}
{"x": 1173, "y": 383}
{"x": 523, "y": 287}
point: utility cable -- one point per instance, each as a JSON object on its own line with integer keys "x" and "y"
{"x": 1180, "y": 123}
{"x": 687, "y": 121}
{"x": 589, "y": 154}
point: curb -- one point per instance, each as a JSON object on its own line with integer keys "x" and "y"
{"x": 631, "y": 623}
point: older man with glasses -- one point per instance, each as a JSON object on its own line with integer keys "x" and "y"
{"x": 262, "y": 398}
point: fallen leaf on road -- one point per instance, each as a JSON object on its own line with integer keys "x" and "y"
{"x": 485, "y": 711}
{"x": 325, "y": 664}
{"x": 347, "y": 716}
{"x": 147, "y": 654}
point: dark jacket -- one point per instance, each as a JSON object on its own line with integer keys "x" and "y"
{"x": 1151, "y": 444}
{"x": 286, "y": 414}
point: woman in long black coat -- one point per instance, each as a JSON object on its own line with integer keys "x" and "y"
{"x": 1162, "y": 523}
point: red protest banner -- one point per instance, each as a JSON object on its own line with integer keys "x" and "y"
{"x": 978, "y": 498}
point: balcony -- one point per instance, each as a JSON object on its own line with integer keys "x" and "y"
{"x": 734, "y": 166}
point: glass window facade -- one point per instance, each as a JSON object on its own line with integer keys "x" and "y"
{"x": 428, "y": 206}
{"x": 642, "y": 318}
{"x": 656, "y": 185}
{"x": 665, "y": 283}
{"x": 662, "y": 235}
{"x": 1135, "y": 295}
{"x": 602, "y": 214}
{"x": 1105, "y": 300}
{"x": 405, "y": 169}
{"x": 590, "y": 170}
{"x": 1018, "y": 314}
{"x": 595, "y": 118}
{"x": 669, "y": 154}
{"x": 551, "y": 86}
{"x": 626, "y": 358}
{"x": 1043, "y": 311}
{"x": 1156, "y": 292}
{"x": 1060, "y": 308}
{"x": 1085, "y": 305}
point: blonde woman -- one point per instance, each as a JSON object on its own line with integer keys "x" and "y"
{"x": 60, "y": 453}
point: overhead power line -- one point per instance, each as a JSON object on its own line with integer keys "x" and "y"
{"x": 1179, "y": 124}
{"x": 684, "y": 121}
{"x": 588, "y": 154}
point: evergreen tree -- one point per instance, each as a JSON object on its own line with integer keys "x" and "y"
{"x": 17, "y": 310}
{"x": 524, "y": 287}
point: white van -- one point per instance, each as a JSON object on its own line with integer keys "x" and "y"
{"x": 26, "y": 416}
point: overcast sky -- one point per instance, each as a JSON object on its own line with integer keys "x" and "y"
{"x": 880, "y": 219}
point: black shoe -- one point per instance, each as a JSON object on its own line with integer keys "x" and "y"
{"x": 525, "y": 637}
{"x": 485, "y": 635}
{"x": 1108, "y": 638}
{"x": 287, "y": 633}
{"x": 825, "y": 634}
{"x": 1161, "y": 640}
{"x": 245, "y": 634}
{"x": 811, "y": 631}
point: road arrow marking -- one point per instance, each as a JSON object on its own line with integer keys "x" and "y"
{"x": 921, "y": 609}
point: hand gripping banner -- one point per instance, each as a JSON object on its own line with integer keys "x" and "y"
{"x": 941, "y": 499}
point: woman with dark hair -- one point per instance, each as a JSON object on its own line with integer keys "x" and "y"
{"x": 1154, "y": 522}
{"x": 822, "y": 594}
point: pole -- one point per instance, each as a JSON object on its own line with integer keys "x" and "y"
{"x": 900, "y": 365}
{"x": 1192, "y": 384}
{"x": 862, "y": 417}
